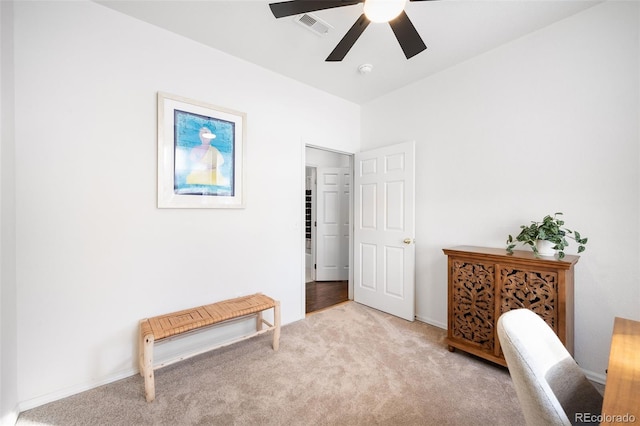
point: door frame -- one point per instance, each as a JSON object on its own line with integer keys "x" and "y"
{"x": 314, "y": 188}
{"x": 350, "y": 155}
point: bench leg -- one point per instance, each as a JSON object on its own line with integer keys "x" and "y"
{"x": 141, "y": 355}
{"x": 259, "y": 321}
{"x": 276, "y": 323}
{"x": 147, "y": 367}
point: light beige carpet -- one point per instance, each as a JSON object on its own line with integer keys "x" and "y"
{"x": 348, "y": 365}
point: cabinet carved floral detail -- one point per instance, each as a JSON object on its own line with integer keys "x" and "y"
{"x": 483, "y": 283}
{"x": 533, "y": 290}
{"x": 473, "y": 311}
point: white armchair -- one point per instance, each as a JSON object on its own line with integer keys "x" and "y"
{"x": 551, "y": 388}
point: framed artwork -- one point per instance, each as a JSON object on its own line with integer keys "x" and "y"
{"x": 200, "y": 154}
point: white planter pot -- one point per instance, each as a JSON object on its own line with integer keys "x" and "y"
{"x": 545, "y": 248}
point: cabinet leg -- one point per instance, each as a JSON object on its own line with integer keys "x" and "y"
{"x": 451, "y": 348}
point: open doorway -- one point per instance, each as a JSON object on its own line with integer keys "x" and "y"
{"x": 328, "y": 182}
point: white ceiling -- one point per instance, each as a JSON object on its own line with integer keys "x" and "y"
{"x": 453, "y": 30}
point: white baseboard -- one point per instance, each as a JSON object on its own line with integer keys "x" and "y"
{"x": 594, "y": 377}
{"x": 10, "y": 418}
{"x": 73, "y": 390}
{"x": 431, "y": 321}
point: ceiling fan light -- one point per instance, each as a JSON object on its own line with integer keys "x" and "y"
{"x": 383, "y": 10}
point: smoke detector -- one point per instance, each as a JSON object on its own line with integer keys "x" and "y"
{"x": 313, "y": 24}
{"x": 365, "y": 69}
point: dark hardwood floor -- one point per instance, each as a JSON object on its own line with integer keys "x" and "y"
{"x": 322, "y": 294}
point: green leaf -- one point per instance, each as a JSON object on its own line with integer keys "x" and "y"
{"x": 581, "y": 249}
{"x": 560, "y": 254}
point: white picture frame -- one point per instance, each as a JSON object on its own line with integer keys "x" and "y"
{"x": 200, "y": 154}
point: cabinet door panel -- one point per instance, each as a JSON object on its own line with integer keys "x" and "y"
{"x": 530, "y": 289}
{"x": 473, "y": 293}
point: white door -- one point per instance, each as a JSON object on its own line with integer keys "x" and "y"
{"x": 384, "y": 229}
{"x": 332, "y": 219}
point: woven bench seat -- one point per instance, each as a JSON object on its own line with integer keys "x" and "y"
{"x": 177, "y": 323}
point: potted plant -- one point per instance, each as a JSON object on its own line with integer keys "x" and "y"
{"x": 550, "y": 231}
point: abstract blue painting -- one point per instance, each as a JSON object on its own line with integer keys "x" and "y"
{"x": 204, "y": 155}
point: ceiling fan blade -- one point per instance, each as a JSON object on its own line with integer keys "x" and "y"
{"x": 348, "y": 40}
{"x": 296, "y": 7}
{"x": 407, "y": 35}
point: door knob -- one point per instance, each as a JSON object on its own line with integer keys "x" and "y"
{"x": 407, "y": 241}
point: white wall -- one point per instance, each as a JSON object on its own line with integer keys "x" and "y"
{"x": 8, "y": 314}
{"x": 94, "y": 254}
{"x": 546, "y": 123}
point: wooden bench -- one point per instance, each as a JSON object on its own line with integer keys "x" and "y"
{"x": 178, "y": 323}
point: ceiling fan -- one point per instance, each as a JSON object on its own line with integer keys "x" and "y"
{"x": 391, "y": 11}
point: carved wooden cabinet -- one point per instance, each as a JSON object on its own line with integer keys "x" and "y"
{"x": 486, "y": 282}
